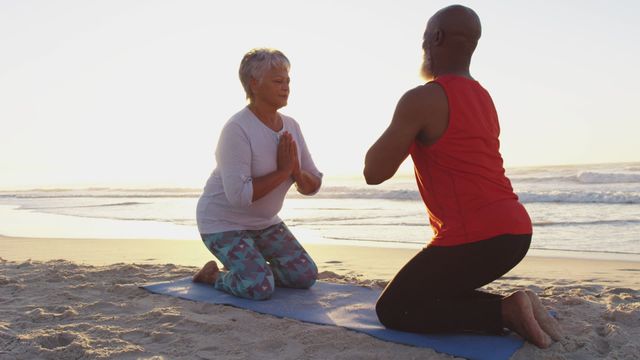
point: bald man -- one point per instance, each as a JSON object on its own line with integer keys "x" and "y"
{"x": 450, "y": 128}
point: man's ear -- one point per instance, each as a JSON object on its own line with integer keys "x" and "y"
{"x": 438, "y": 37}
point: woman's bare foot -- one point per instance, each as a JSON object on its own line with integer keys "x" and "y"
{"x": 547, "y": 323}
{"x": 208, "y": 274}
{"x": 517, "y": 315}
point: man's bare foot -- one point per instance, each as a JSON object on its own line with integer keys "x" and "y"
{"x": 547, "y": 323}
{"x": 208, "y": 274}
{"x": 517, "y": 315}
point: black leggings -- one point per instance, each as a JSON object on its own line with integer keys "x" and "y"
{"x": 436, "y": 291}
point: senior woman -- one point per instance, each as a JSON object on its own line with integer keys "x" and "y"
{"x": 260, "y": 154}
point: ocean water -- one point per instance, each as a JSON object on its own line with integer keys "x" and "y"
{"x": 590, "y": 210}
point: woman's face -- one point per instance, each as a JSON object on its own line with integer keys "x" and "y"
{"x": 274, "y": 87}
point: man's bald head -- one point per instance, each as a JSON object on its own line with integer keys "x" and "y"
{"x": 450, "y": 38}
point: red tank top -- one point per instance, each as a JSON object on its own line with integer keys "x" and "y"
{"x": 461, "y": 177}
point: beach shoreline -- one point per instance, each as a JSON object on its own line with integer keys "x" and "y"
{"x": 64, "y": 298}
{"x": 358, "y": 262}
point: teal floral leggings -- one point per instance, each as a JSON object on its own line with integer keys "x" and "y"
{"x": 258, "y": 260}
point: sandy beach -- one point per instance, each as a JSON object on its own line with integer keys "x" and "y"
{"x": 369, "y": 128}
{"x": 80, "y": 298}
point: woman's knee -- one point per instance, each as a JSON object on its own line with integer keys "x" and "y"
{"x": 258, "y": 285}
{"x": 307, "y": 282}
{"x": 300, "y": 273}
{"x": 260, "y": 290}
{"x": 263, "y": 293}
{"x": 308, "y": 277}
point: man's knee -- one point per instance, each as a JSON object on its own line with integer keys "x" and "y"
{"x": 384, "y": 313}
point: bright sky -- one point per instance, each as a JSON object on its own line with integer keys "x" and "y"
{"x": 117, "y": 93}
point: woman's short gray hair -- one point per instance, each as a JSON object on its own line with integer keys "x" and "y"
{"x": 257, "y": 62}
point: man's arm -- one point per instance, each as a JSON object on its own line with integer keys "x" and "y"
{"x": 418, "y": 111}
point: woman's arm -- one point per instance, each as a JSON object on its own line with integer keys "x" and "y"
{"x": 234, "y": 161}
{"x": 305, "y": 173}
{"x": 306, "y": 183}
{"x": 233, "y": 157}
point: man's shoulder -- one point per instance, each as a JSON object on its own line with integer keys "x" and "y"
{"x": 430, "y": 90}
{"x": 427, "y": 108}
{"x": 425, "y": 96}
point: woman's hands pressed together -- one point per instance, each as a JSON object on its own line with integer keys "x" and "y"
{"x": 288, "y": 155}
{"x": 288, "y": 162}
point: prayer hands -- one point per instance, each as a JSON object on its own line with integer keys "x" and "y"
{"x": 288, "y": 154}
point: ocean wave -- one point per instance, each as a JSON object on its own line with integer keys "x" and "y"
{"x": 425, "y": 241}
{"x": 594, "y": 251}
{"x": 560, "y": 196}
{"x": 388, "y": 241}
{"x": 622, "y": 194}
{"x": 328, "y": 222}
{"x": 141, "y": 195}
{"x": 626, "y": 222}
{"x": 128, "y": 203}
{"x": 544, "y": 178}
{"x": 596, "y": 177}
{"x": 350, "y": 222}
{"x": 577, "y": 197}
{"x": 582, "y": 177}
{"x": 136, "y": 217}
{"x": 344, "y": 192}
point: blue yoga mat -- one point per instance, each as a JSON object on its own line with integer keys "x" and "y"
{"x": 348, "y": 306}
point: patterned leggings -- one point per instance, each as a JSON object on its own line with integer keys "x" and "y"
{"x": 259, "y": 259}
